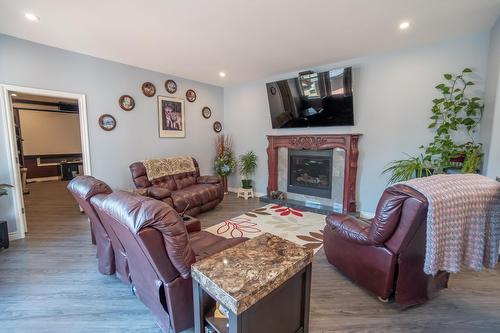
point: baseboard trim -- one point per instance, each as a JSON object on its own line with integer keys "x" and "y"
{"x": 235, "y": 190}
{"x": 42, "y": 179}
{"x": 15, "y": 235}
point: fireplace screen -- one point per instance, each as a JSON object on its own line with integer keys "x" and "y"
{"x": 310, "y": 172}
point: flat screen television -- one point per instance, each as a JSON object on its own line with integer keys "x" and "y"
{"x": 312, "y": 100}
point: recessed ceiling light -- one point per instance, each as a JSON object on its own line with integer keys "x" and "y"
{"x": 222, "y": 74}
{"x": 404, "y": 25}
{"x": 31, "y": 17}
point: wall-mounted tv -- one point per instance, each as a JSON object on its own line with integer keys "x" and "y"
{"x": 312, "y": 100}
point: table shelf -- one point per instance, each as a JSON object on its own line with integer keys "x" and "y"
{"x": 220, "y": 325}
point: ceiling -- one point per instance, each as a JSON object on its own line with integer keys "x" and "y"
{"x": 248, "y": 40}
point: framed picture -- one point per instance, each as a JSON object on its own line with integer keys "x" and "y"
{"x": 191, "y": 95}
{"x": 171, "y": 120}
{"x": 217, "y": 126}
{"x": 171, "y": 86}
{"x": 107, "y": 122}
{"x": 148, "y": 89}
{"x": 206, "y": 112}
{"x": 126, "y": 102}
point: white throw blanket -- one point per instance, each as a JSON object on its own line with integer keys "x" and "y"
{"x": 463, "y": 221}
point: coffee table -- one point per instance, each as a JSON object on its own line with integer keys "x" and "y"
{"x": 264, "y": 283}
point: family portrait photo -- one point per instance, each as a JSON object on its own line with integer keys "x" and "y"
{"x": 171, "y": 117}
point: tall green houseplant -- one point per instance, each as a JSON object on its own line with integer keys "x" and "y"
{"x": 453, "y": 112}
{"x": 247, "y": 163}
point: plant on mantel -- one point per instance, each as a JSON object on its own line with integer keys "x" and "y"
{"x": 454, "y": 112}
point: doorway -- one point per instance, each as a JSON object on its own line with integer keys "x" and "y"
{"x": 47, "y": 135}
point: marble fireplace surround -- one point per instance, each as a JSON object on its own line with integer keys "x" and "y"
{"x": 346, "y": 142}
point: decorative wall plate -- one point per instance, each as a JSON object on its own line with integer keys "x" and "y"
{"x": 191, "y": 95}
{"x": 217, "y": 126}
{"x": 126, "y": 102}
{"x": 148, "y": 89}
{"x": 107, "y": 122}
{"x": 273, "y": 90}
{"x": 206, "y": 112}
{"x": 171, "y": 86}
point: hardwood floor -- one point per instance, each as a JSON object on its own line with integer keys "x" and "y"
{"x": 49, "y": 283}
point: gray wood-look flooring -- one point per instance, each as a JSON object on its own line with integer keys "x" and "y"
{"x": 49, "y": 283}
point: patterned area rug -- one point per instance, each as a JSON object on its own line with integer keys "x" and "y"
{"x": 303, "y": 228}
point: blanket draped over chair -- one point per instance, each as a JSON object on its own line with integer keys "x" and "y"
{"x": 463, "y": 221}
{"x": 162, "y": 167}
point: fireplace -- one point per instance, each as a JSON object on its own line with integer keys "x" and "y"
{"x": 310, "y": 172}
{"x": 337, "y": 186}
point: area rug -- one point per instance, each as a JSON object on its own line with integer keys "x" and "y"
{"x": 303, "y": 228}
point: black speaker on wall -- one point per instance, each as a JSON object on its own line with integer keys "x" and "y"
{"x": 4, "y": 235}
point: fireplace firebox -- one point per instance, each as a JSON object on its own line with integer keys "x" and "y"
{"x": 310, "y": 172}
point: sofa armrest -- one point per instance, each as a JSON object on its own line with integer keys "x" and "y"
{"x": 350, "y": 228}
{"x": 208, "y": 180}
{"x": 192, "y": 225}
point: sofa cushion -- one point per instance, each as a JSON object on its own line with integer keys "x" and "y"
{"x": 195, "y": 195}
{"x": 167, "y": 182}
{"x": 186, "y": 179}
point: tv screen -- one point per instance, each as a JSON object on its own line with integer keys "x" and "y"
{"x": 312, "y": 99}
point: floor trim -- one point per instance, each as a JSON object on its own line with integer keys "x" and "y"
{"x": 14, "y": 236}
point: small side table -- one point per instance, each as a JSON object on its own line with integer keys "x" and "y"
{"x": 257, "y": 281}
{"x": 245, "y": 193}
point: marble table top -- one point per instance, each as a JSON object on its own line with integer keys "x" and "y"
{"x": 240, "y": 276}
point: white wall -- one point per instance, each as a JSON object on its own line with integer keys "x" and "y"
{"x": 490, "y": 126}
{"x": 135, "y": 138}
{"x": 392, "y": 103}
{"x": 47, "y": 132}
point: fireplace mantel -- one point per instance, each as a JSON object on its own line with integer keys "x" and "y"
{"x": 346, "y": 142}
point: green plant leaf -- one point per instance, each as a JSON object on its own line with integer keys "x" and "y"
{"x": 447, "y": 76}
{"x": 467, "y": 70}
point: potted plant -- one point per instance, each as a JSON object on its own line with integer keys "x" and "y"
{"x": 473, "y": 157}
{"x": 3, "y": 189}
{"x": 406, "y": 169}
{"x": 224, "y": 161}
{"x": 454, "y": 111}
{"x": 247, "y": 163}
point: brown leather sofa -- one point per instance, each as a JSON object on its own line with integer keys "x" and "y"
{"x": 386, "y": 255}
{"x": 111, "y": 255}
{"x": 160, "y": 252}
{"x": 202, "y": 193}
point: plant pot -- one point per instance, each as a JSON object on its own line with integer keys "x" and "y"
{"x": 224, "y": 184}
{"x": 246, "y": 183}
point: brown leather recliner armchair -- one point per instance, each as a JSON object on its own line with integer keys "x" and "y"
{"x": 83, "y": 188}
{"x": 202, "y": 193}
{"x": 386, "y": 255}
{"x": 111, "y": 255}
{"x": 160, "y": 252}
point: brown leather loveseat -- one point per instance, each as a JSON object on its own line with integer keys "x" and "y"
{"x": 386, "y": 255}
{"x": 202, "y": 193}
{"x": 160, "y": 251}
